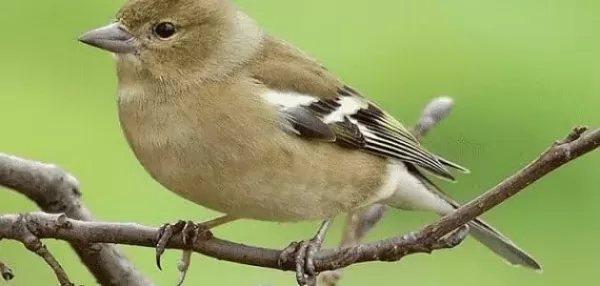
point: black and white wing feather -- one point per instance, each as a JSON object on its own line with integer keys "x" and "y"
{"x": 352, "y": 121}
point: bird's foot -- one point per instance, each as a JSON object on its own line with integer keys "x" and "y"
{"x": 303, "y": 253}
{"x": 453, "y": 239}
{"x": 190, "y": 232}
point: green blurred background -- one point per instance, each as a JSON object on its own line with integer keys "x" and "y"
{"x": 522, "y": 73}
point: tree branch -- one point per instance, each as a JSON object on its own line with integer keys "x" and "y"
{"x": 23, "y": 234}
{"x": 55, "y": 191}
{"x": 428, "y": 239}
{"x": 560, "y": 153}
{"x": 53, "y": 226}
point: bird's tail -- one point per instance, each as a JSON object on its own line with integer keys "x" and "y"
{"x": 501, "y": 245}
{"x": 421, "y": 193}
{"x": 481, "y": 231}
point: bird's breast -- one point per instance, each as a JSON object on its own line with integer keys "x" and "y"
{"x": 244, "y": 166}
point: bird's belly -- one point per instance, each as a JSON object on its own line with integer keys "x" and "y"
{"x": 269, "y": 201}
{"x": 258, "y": 184}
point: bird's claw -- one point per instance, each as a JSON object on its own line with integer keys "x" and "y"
{"x": 454, "y": 238}
{"x": 303, "y": 253}
{"x": 183, "y": 266}
{"x": 189, "y": 231}
{"x": 284, "y": 257}
{"x": 165, "y": 232}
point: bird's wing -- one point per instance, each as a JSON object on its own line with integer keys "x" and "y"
{"x": 352, "y": 121}
{"x": 314, "y": 104}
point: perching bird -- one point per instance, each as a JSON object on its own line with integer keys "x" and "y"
{"x": 236, "y": 120}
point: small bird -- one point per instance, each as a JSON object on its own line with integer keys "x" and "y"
{"x": 230, "y": 117}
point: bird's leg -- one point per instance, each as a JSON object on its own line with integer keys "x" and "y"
{"x": 304, "y": 252}
{"x": 190, "y": 232}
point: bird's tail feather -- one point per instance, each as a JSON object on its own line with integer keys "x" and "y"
{"x": 480, "y": 230}
{"x": 453, "y": 165}
{"x": 501, "y": 245}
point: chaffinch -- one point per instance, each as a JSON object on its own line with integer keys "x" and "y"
{"x": 236, "y": 120}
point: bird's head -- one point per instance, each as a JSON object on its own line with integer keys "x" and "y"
{"x": 166, "y": 37}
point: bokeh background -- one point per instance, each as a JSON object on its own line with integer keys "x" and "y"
{"x": 522, "y": 73}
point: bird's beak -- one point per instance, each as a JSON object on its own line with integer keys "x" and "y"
{"x": 112, "y": 38}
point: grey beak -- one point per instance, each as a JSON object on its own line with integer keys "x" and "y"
{"x": 112, "y": 38}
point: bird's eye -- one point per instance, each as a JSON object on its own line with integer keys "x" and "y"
{"x": 164, "y": 30}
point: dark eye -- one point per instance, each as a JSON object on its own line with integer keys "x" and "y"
{"x": 164, "y": 30}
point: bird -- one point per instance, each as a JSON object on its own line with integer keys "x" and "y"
{"x": 229, "y": 116}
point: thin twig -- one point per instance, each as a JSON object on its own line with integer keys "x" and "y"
{"x": 433, "y": 113}
{"x": 426, "y": 240}
{"x": 23, "y": 234}
{"x": 576, "y": 144}
{"x": 56, "y": 191}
